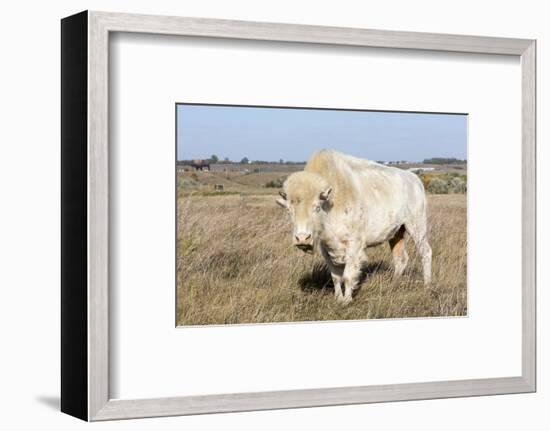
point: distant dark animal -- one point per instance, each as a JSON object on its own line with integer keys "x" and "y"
{"x": 201, "y": 165}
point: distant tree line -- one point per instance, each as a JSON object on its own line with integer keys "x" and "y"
{"x": 244, "y": 161}
{"x": 280, "y": 161}
{"x": 444, "y": 161}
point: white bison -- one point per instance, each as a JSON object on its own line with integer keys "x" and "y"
{"x": 342, "y": 205}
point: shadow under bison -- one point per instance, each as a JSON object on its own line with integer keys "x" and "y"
{"x": 319, "y": 278}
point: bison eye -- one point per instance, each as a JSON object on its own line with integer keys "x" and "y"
{"x": 317, "y": 208}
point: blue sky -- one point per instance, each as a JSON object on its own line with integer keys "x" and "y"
{"x": 294, "y": 134}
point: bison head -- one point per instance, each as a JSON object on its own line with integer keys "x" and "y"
{"x": 306, "y": 197}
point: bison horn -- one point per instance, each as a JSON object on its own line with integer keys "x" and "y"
{"x": 324, "y": 195}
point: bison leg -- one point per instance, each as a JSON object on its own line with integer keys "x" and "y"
{"x": 418, "y": 234}
{"x": 352, "y": 271}
{"x": 399, "y": 252}
{"x": 336, "y": 273}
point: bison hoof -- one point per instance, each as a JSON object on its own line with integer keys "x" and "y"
{"x": 344, "y": 300}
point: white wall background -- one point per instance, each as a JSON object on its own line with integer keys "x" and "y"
{"x": 29, "y": 214}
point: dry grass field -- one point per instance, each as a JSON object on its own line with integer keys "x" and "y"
{"x": 236, "y": 264}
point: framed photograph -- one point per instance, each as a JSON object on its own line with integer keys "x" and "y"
{"x": 265, "y": 216}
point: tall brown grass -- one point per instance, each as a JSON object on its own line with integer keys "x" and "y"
{"x": 236, "y": 264}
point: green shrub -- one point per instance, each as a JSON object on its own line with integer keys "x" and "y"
{"x": 438, "y": 186}
{"x": 457, "y": 185}
{"x": 187, "y": 182}
{"x": 444, "y": 183}
{"x": 276, "y": 184}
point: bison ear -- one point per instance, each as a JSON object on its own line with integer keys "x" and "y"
{"x": 325, "y": 195}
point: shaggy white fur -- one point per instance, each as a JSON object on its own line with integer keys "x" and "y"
{"x": 341, "y": 205}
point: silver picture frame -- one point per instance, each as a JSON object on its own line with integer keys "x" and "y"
{"x": 85, "y": 215}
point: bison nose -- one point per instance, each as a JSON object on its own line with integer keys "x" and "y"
{"x": 303, "y": 238}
